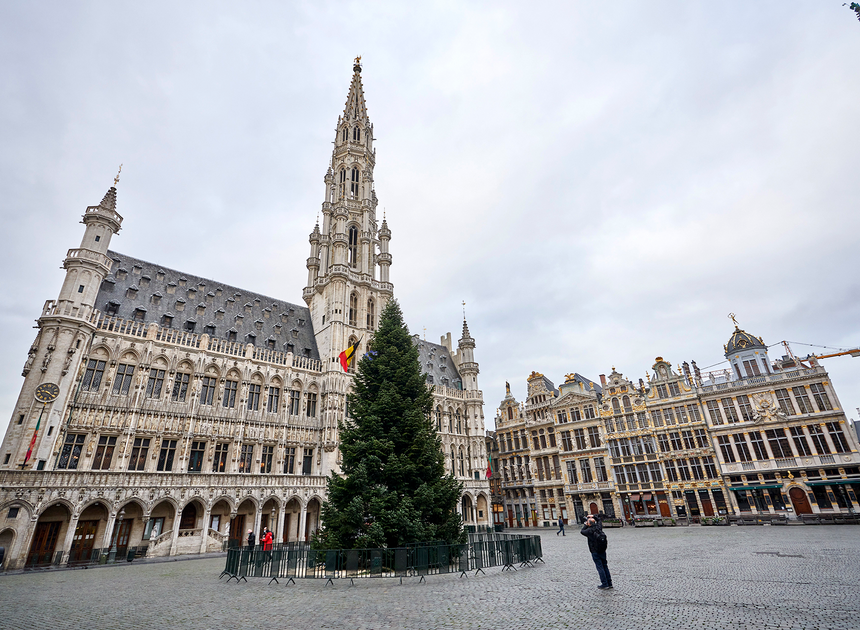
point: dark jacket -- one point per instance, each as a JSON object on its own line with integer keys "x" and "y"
{"x": 251, "y": 540}
{"x": 594, "y": 546}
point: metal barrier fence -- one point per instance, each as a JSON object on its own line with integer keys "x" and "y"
{"x": 298, "y": 560}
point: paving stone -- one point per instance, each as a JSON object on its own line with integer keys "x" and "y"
{"x": 699, "y": 577}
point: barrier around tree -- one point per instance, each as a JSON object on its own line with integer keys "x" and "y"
{"x": 291, "y": 561}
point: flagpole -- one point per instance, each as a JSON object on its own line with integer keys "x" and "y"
{"x": 33, "y": 441}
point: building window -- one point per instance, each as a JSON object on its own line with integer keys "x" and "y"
{"x": 729, "y": 409}
{"x": 353, "y": 309}
{"x": 820, "y": 396}
{"x": 167, "y": 321}
{"x": 139, "y": 314}
{"x": 289, "y": 460}
{"x": 664, "y": 443}
{"x": 155, "y": 383}
{"x": 779, "y": 445}
{"x": 784, "y": 401}
{"x": 246, "y": 459}
{"x": 758, "y": 446}
{"x": 190, "y": 325}
{"x": 371, "y": 315}
{"x": 254, "y": 396}
{"x": 122, "y": 382}
{"x": 220, "y": 462}
{"x": 354, "y": 180}
{"x": 751, "y": 368}
{"x": 104, "y": 452}
{"x": 818, "y": 440}
{"x": 837, "y": 437}
{"x": 714, "y": 412}
{"x": 594, "y": 437}
{"x": 311, "y": 404}
{"x": 800, "y": 443}
{"x": 462, "y": 468}
{"x": 356, "y": 137}
{"x": 802, "y": 399}
{"x": 307, "y": 461}
{"x": 741, "y": 447}
{"x": 274, "y": 399}
{"x": 600, "y": 469}
{"x": 139, "y": 449}
{"x": 710, "y": 468}
{"x": 93, "y": 375}
{"x": 585, "y": 468}
{"x": 231, "y": 336}
{"x": 671, "y": 473}
{"x": 353, "y": 246}
{"x": 677, "y": 445}
{"x": 230, "y": 389}
{"x": 166, "y": 455}
{"x": 746, "y": 408}
{"x": 71, "y": 453}
{"x": 342, "y": 176}
{"x": 295, "y": 402}
{"x": 266, "y": 460}
{"x": 207, "y": 391}
{"x": 661, "y": 391}
{"x": 180, "y": 387}
{"x": 689, "y": 443}
{"x": 566, "y": 444}
{"x": 674, "y": 390}
{"x": 81, "y": 289}
{"x": 579, "y": 437}
{"x": 195, "y": 459}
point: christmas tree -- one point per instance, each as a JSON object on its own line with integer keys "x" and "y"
{"x": 393, "y": 489}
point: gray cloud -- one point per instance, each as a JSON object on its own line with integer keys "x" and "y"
{"x": 601, "y": 185}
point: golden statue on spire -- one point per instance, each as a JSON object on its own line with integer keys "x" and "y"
{"x": 732, "y": 317}
{"x": 116, "y": 179}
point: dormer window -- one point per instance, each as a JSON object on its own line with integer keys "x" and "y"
{"x": 144, "y": 281}
{"x": 112, "y": 307}
{"x": 270, "y": 343}
{"x": 190, "y": 325}
{"x": 306, "y": 352}
{"x": 209, "y": 330}
{"x": 167, "y": 320}
{"x": 139, "y": 314}
{"x": 231, "y": 335}
{"x": 131, "y": 292}
{"x": 251, "y": 338}
{"x": 291, "y": 348}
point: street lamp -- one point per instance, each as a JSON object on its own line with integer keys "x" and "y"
{"x": 116, "y": 533}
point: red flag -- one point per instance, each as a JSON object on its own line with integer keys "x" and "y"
{"x": 33, "y": 441}
{"x": 347, "y": 356}
{"x": 489, "y": 465}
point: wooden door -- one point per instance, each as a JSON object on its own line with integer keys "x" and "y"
{"x": 800, "y": 501}
{"x": 83, "y": 541}
{"x": 237, "y": 530}
{"x": 122, "y": 536}
{"x": 707, "y": 507}
{"x": 287, "y": 518}
{"x": 665, "y": 512}
{"x": 593, "y": 508}
{"x": 44, "y": 543}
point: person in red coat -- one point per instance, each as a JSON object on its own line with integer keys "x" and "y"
{"x": 267, "y": 540}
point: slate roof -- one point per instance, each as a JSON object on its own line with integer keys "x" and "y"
{"x": 161, "y": 292}
{"x": 436, "y": 362}
{"x": 587, "y": 382}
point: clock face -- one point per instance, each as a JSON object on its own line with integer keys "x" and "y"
{"x": 47, "y": 392}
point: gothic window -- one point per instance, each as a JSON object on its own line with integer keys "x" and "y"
{"x": 166, "y": 455}
{"x": 230, "y": 388}
{"x": 180, "y": 387}
{"x": 615, "y": 406}
{"x": 343, "y": 135}
{"x": 353, "y": 309}
{"x": 353, "y": 246}
{"x": 626, "y": 402}
{"x": 342, "y": 178}
{"x": 356, "y": 135}
{"x": 104, "y": 452}
{"x": 462, "y": 464}
{"x": 93, "y": 375}
{"x": 155, "y": 383}
{"x": 459, "y": 422}
{"x": 371, "y": 315}
{"x": 139, "y": 449}
{"x": 122, "y": 382}
{"x": 274, "y": 399}
{"x": 254, "y": 397}
{"x": 353, "y": 185}
{"x": 439, "y": 419}
{"x": 311, "y": 404}
{"x": 207, "y": 391}
{"x": 246, "y": 459}
{"x": 71, "y": 452}
{"x": 220, "y": 462}
{"x": 266, "y": 459}
{"x": 195, "y": 458}
{"x": 295, "y": 402}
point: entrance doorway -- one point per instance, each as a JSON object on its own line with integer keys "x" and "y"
{"x": 83, "y": 541}
{"x": 122, "y": 536}
{"x": 237, "y": 531}
{"x": 44, "y": 543}
{"x": 800, "y": 501}
{"x": 705, "y": 500}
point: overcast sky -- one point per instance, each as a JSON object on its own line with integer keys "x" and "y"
{"x": 601, "y": 183}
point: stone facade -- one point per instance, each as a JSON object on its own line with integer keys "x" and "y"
{"x": 762, "y": 438}
{"x": 190, "y": 411}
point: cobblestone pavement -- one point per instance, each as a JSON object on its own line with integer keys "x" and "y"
{"x": 685, "y": 577}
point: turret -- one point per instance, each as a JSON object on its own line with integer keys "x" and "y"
{"x": 468, "y": 368}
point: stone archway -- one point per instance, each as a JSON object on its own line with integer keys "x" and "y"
{"x": 292, "y": 518}
{"x": 7, "y": 539}
{"x": 243, "y": 521}
{"x": 468, "y": 511}
{"x": 312, "y": 518}
{"x": 49, "y": 533}
{"x": 159, "y": 528}
{"x": 483, "y": 510}
{"x": 89, "y": 530}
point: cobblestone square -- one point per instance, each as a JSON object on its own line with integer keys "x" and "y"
{"x": 684, "y": 577}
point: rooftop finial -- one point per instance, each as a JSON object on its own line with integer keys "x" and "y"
{"x": 732, "y": 317}
{"x": 464, "y": 310}
{"x": 356, "y": 66}
{"x": 116, "y": 179}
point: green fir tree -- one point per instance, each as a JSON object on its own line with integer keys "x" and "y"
{"x": 393, "y": 489}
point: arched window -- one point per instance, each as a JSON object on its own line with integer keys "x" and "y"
{"x": 352, "y": 341}
{"x": 343, "y": 135}
{"x": 615, "y": 406}
{"x": 356, "y": 135}
{"x": 626, "y": 402}
{"x": 342, "y": 180}
{"x": 353, "y": 246}
{"x": 459, "y": 422}
{"x": 353, "y": 186}
{"x": 438, "y": 418}
{"x": 450, "y": 420}
{"x": 462, "y": 463}
{"x": 371, "y": 315}
{"x": 453, "y": 462}
{"x": 353, "y": 309}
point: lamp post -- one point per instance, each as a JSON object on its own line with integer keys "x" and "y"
{"x": 116, "y": 525}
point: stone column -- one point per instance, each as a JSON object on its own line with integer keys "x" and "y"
{"x": 303, "y": 515}
{"x": 204, "y": 532}
{"x": 107, "y": 541}
{"x": 257, "y": 518}
{"x": 177, "y": 517}
{"x": 70, "y": 534}
{"x": 279, "y": 536}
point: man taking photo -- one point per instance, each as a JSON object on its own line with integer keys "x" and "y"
{"x": 593, "y": 530}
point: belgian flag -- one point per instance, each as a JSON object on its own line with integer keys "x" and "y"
{"x": 347, "y": 356}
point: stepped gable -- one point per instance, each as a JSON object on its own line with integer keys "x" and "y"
{"x": 135, "y": 284}
{"x": 430, "y": 356}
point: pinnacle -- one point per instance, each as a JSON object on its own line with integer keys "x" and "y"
{"x": 466, "y": 334}
{"x": 109, "y": 200}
